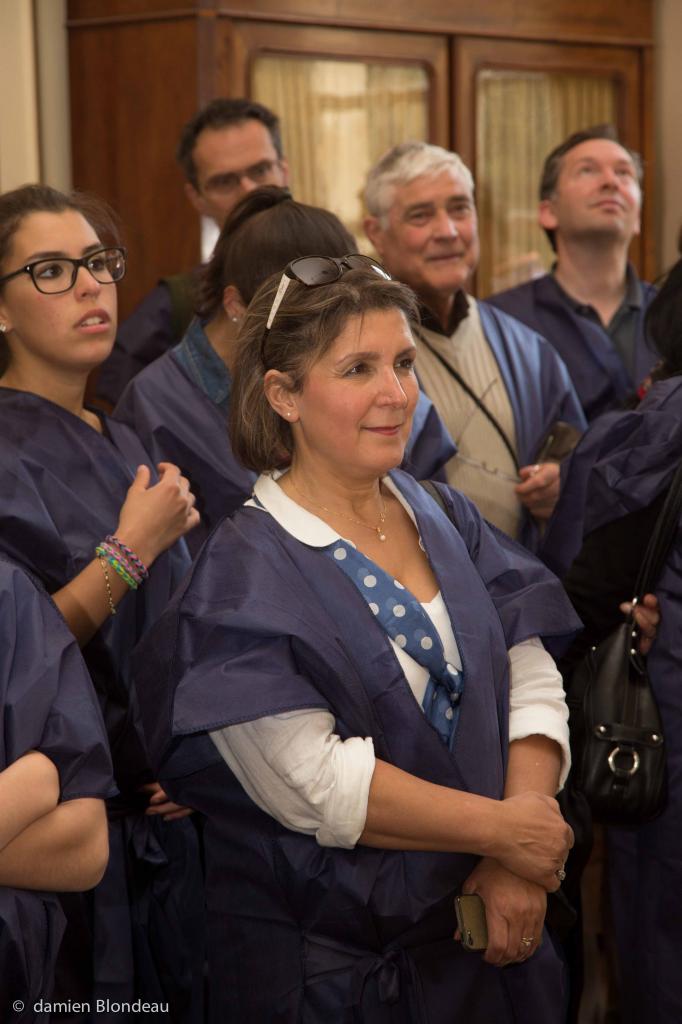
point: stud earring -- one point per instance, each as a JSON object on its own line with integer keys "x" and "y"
{"x": 3, "y": 328}
{"x": 234, "y": 319}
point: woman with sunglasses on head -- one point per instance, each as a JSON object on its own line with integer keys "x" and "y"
{"x": 81, "y": 507}
{"x": 335, "y": 674}
{"x": 179, "y": 405}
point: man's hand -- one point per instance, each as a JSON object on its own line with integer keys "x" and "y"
{"x": 539, "y": 490}
{"x": 160, "y": 804}
{"x": 647, "y": 615}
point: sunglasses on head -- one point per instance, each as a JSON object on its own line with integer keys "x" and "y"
{"x": 314, "y": 271}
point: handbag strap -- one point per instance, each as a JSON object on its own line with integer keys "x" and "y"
{"x": 473, "y": 396}
{"x": 661, "y": 538}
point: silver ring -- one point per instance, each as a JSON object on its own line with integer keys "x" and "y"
{"x": 527, "y": 941}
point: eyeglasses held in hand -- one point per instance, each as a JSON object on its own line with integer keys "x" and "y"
{"x": 58, "y": 274}
{"x": 314, "y": 271}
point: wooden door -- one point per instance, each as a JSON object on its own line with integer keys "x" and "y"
{"x": 513, "y": 102}
{"x": 344, "y": 97}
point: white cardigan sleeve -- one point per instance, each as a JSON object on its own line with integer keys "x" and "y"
{"x": 297, "y": 769}
{"x": 537, "y": 704}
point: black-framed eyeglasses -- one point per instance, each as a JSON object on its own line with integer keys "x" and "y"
{"x": 314, "y": 271}
{"x": 58, "y": 273}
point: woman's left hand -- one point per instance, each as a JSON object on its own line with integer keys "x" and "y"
{"x": 647, "y": 615}
{"x": 160, "y": 804}
{"x": 515, "y": 912}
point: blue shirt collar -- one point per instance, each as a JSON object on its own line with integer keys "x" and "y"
{"x": 203, "y": 365}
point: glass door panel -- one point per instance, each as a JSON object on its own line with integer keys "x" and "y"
{"x": 338, "y": 117}
{"x": 344, "y": 97}
{"x": 512, "y": 103}
{"x": 520, "y": 118}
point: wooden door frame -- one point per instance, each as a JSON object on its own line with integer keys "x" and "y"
{"x": 629, "y": 66}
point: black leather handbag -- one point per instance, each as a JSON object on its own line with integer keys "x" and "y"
{"x": 617, "y": 738}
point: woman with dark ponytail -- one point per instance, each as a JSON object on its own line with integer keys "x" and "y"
{"x": 179, "y": 406}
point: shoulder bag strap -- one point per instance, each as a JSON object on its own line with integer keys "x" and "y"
{"x": 661, "y": 538}
{"x": 182, "y": 288}
{"x": 473, "y": 396}
{"x": 435, "y": 492}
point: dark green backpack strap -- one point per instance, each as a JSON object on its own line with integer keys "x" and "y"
{"x": 182, "y": 288}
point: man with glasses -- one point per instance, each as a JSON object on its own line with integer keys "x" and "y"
{"x": 591, "y": 306}
{"x": 500, "y": 389}
{"x": 229, "y": 148}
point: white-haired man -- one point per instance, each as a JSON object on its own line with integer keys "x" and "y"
{"x": 499, "y": 387}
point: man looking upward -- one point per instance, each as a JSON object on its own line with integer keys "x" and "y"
{"x": 591, "y": 306}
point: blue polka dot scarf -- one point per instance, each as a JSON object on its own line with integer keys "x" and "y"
{"x": 408, "y": 625}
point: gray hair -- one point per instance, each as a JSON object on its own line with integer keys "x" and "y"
{"x": 401, "y": 165}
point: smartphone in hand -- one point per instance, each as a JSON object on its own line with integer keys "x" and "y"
{"x": 471, "y": 921}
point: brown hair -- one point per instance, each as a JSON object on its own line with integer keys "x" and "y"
{"x": 551, "y": 169}
{"x": 223, "y": 113}
{"x": 21, "y": 202}
{"x": 264, "y": 232}
{"x": 306, "y": 325}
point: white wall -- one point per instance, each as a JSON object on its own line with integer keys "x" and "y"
{"x": 668, "y": 127}
{"x": 19, "y": 133}
{"x": 53, "y": 92}
{"x": 35, "y": 143}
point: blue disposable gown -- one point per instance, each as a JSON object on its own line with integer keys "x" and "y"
{"x": 265, "y": 624}
{"x": 596, "y": 369}
{"x": 624, "y": 463}
{"x": 141, "y": 338}
{"x": 177, "y": 421}
{"x": 537, "y": 383}
{"x": 47, "y": 704}
{"x": 539, "y": 390}
{"x": 620, "y": 453}
{"x": 61, "y": 488}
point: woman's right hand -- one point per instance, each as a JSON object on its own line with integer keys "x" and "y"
{"x": 534, "y": 839}
{"x": 153, "y": 518}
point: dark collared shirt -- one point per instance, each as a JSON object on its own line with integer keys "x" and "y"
{"x": 459, "y": 312}
{"x": 622, "y": 329}
{"x": 203, "y": 365}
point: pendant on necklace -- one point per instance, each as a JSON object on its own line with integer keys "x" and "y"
{"x": 382, "y": 536}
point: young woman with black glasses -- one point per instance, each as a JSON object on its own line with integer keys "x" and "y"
{"x": 83, "y": 508}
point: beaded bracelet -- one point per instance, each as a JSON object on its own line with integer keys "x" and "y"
{"x": 115, "y": 555}
{"x": 130, "y": 555}
{"x": 107, "y": 584}
{"x": 116, "y": 566}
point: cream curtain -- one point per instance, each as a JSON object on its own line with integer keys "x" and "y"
{"x": 520, "y": 117}
{"x": 338, "y": 117}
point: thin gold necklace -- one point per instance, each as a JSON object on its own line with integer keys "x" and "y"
{"x": 379, "y": 530}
